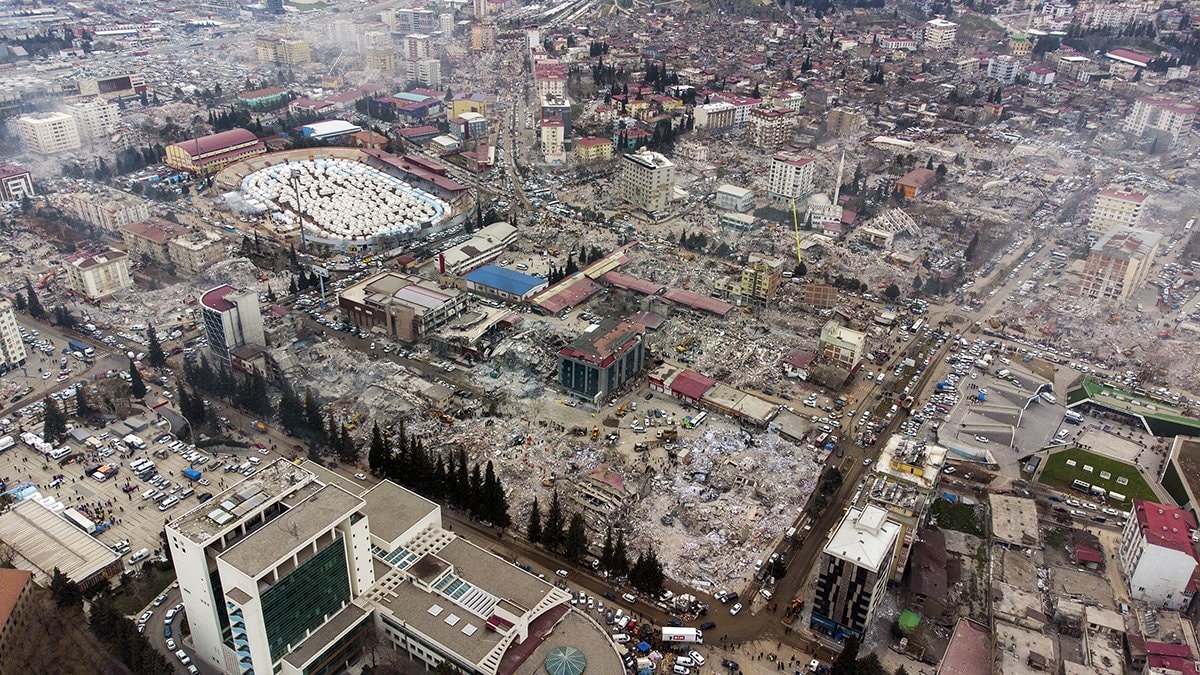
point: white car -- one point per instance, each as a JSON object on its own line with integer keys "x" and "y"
{"x": 982, "y": 439}
{"x": 360, "y": 476}
{"x": 735, "y": 609}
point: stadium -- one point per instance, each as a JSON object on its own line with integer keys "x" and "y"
{"x": 347, "y": 200}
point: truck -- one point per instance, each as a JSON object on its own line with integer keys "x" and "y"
{"x": 942, "y": 386}
{"x": 191, "y": 473}
{"x": 682, "y": 634}
{"x": 133, "y": 442}
{"x": 81, "y": 347}
{"x": 263, "y": 427}
{"x": 6, "y": 442}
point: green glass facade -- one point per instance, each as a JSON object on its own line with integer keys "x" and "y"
{"x": 300, "y": 601}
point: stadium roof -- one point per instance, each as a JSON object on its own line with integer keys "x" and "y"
{"x": 504, "y": 279}
{"x": 1158, "y": 417}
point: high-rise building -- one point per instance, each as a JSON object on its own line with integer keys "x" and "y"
{"x": 380, "y": 59}
{"x": 647, "y": 179}
{"x": 344, "y": 34}
{"x": 12, "y": 349}
{"x": 757, "y": 283}
{"x": 446, "y": 24}
{"x": 558, "y": 106}
{"x": 602, "y": 359}
{"x": 552, "y": 134}
{"x": 791, "y": 178}
{"x": 410, "y": 20}
{"x": 481, "y": 9}
{"x": 483, "y": 37}
{"x": 17, "y": 613}
{"x": 1158, "y": 556}
{"x": 903, "y": 481}
{"x": 289, "y": 570}
{"x": 283, "y": 51}
{"x": 1004, "y": 68}
{"x": 1118, "y": 264}
{"x": 853, "y": 572}
{"x": 48, "y": 133}
{"x": 275, "y": 6}
{"x": 96, "y": 118}
{"x": 844, "y": 121}
{"x": 417, "y": 46}
{"x": 771, "y": 127}
{"x": 96, "y": 276}
{"x": 1117, "y": 206}
{"x": 426, "y": 72}
{"x": 1161, "y": 116}
{"x": 939, "y": 34}
{"x": 232, "y": 319}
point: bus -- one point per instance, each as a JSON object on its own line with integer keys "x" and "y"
{"x": 693, "y": 422}
{"x": 1081, "y": 486}
{"x": 917, "y": 326}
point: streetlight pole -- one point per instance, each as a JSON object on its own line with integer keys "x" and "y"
{"x": 295, "y": 180}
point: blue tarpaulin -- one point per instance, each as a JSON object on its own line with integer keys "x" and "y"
{"x": 191, "y": 473}
{"x": 643, "y": 647}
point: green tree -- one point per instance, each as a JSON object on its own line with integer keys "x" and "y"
{"x": 969, "y": 254}
{"x": 576, "y": 544}
{"x": 800, "y": 270}
{"x": 620, "y": 557}
{"x": 83, "y": 403}
{"x": 379, "y": 452}
{"x": 495, "y": 503}
{"x": 847, "y": 662}
{"x": 137, "y": 386}
{"x": 534, "y": 529}
{"x": 65, "y": 592}
{"x": 32, "y": 303}
{"x": 891, "y": 292}
{"x": 154, "y": 353}
{"x": 63, "y": 317}
{"x": 917, "y": 283}
{"x": 552, "y": 531}
{"x": 606, "y": 550}
{"x": 54, "y": 421}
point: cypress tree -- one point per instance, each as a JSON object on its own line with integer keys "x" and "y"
{"x": 552, "y": 533}
{"x": 534, "y": 530}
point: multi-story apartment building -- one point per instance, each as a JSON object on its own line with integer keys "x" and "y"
{"x": 1160, "y": 116}
{"x": 758, "y": 281}
{"x": 98, "y": 275}
{"x": 714, "y": 116}
{"x": 840, "y": 345}
{"x": 903, "y": 481}
{"x": 1158, "y": 556}
{"x": 12, "y": 349}
{"x": 150, "y": 239}
{"x": 791, "y": 178}
{"x": 232, "y": 319}
{"x": 1117, "y": 206}
{"x": 845, "y": 122}
{"x": 771, "y": 127}
{"x": 594, "y": 149}
{"x": 195, "y": 251}
{"x": 406, "y": 307}
{"x": 282, "y": 51}
{"x": 1118, "y": 264}
{"x": 16, "y": 592}
{"x": 417, "y": 46}
{"x": 108, "y": 210}
{"x": 483, "y": 37}
{"x": 552, "y": 134}
{"x": 1004, "y": 68}
{"x": 939, "y": 34}
{"x": 15, "y": 182}
{"x": 426, "y": 72}
{"x": 380, "y": 59}
{"x": 853, "y": 572}
{"x": 96, "y": 118}
{"x": 48, "y": 133}
{"x": 647, "y": 179}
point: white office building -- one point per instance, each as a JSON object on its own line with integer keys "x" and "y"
{"x": 1160, "y": 115}
{"x": 853, "y": 572}
{"x": 791, "y": 178}
{"x": 232, "y": 319}
{"x": 939, "y": 34}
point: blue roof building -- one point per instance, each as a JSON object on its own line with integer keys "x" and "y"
{"x": 503, "y": 282}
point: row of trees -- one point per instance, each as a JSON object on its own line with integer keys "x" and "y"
{"x": 247, "y": 392}
{"x": 441, "y": 476}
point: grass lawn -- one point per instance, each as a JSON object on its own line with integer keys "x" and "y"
{"x": 959, "y": 517}
{"x": 1058, "y": 474}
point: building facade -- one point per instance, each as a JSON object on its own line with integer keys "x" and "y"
{"x": 771, "y": 127}
{"x": 48, "y": 133}
{"x": 150, "y": 240}
{"x": 1157, "y": 555}
{"x": 791, "y": 178}
{"x": 195, "y": 251}
{"x": 594, "y": 149}
{"x": 1160, "y": 116}
{"x": 840, "y": 345}
{"x": 12, "y": 348}
{"x": 1004, "y": 68}
{"x": 483, "y": 37}
{"x": 602, "y": 360}
{"x": 552, "y": 136}
{"x": 96, "y": 276}
{"x": 109, "y": 210}
{"x": 1118, "y": 264}
{"x": 232, "y": 319}
{"x": 939, "y": 34}
{"x": 734, "y": 198}
{"x": 1117, "y": 206}
{"x": 96, "y": 118}
{"x": 16, "y": 592}
{"x": 647, "y": 179}
{"x": 402, "y": 306}
{"x": 853, "y": 572}
{"x": 845, "y": 122}
{"x": 758, "y": 282}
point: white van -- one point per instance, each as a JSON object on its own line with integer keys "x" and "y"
{"x": 168, "y": 503}
{"x": 620, "y": 638}
{"x": 60, "y": 453}
{"x": 141, "y": 555}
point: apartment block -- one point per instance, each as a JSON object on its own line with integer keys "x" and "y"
{"x": 1117, "y": 206}
{"x": 195, "y": 251}
{"x": 841, "y": 345}
{"x": 939, "y": 34}
{"x": 791, "y": 178}
{"x": 150, "y": 240}
{"x": 1161, "y": 116}
{"x": 1004, "y": 69}
{"x": 417, "y": 46}
{"x": 1158, "y": 556}
{"x": 845, "y": 122}
{"x": 714, "y": 116}
{"x": 647, "y": 179}
{"x": 594, "y": 149}
{"x": 48, "y": 133}
{"x": 96, "y": 118}
{"x": 12, "y": 349}
{"x": 1118, "y": 264}
{"x": 758, "y": 281}
{"x": 771, "y": 127}
{"x": 426, "y": 72}
{"x": 16, "y": 592}
{"x": 282, "y": 51}
{"x": 734, "y": 198}
{"x": 108, "y": 210}
{"x": 483, "y": 37}
{"x": 853, "y": 572}
{"x": 96, "y": 276}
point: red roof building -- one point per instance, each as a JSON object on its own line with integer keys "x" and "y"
{"x": 210, "y": 154}
{"x": 691, "y": 385}
{"x": 1158, "y": 554}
